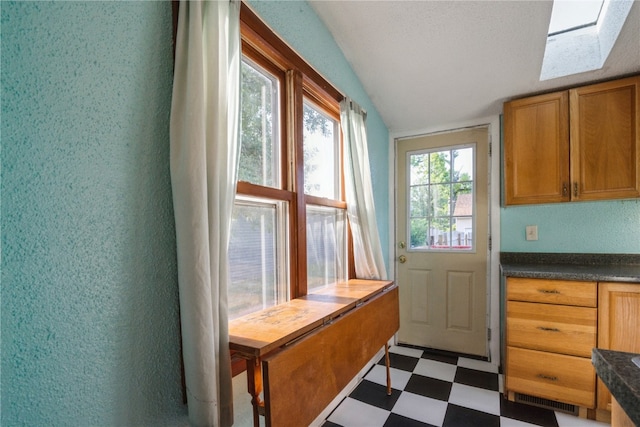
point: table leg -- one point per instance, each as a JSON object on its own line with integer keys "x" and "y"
{"x": 254, "y": 385}
{"x": 388, "y": 363}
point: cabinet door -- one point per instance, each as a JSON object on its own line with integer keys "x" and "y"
{"x": 618, "y": 325}
{"x": 552, "y": 376}
{"x": 536, "y": 149}
{"x": 552, "y": 291}
{"x": 553, "y": 328}
{"x": 605, "y": 140}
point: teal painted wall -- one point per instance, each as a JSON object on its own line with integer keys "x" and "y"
{"x": 90, "y": 333}
{"x": 300, "y": 27}
{"x": 588, "y": 227}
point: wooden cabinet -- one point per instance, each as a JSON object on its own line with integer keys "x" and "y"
{"x": 550, "y": 331}
{"x": 605, "y": 140}
{"x": 618, "y": 325}
{"x": 536, "y": 149}
{"x": 578, "y": 144}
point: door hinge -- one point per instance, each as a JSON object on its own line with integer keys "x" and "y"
{"x": 490, "y": 148}
{"x": 490, "y": 244}
{"x": 488, "y": 334}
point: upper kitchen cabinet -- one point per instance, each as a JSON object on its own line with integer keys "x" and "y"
{"x": 605, "y": 140}
{"x": 536, "y": 149}
{"x": 579, "y": 144}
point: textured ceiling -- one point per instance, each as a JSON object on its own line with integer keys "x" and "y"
{"x": 436, "y": 63}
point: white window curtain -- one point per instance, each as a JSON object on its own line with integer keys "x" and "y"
{"x": 369, "y": 262}
{"x": 204, "y": 152}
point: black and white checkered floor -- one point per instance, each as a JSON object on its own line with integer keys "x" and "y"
{"x": 437, "y": 389}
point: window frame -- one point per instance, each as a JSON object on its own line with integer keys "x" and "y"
{"x": 298, "y": 81}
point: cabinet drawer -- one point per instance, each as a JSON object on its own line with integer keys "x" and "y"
{"x": 565, "y": 292}
{"x": 557, "y": 328}
{"x": 551, "y": 376}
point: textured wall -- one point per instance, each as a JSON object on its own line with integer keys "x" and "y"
{"x": 611, "y": 226}
{"x": 589, "y": 227}
{"x": 300, "y": 27}
{"x": 90, "y": 331}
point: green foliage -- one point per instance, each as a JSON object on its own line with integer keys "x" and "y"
{"x": 258, "y": 112}
{"x": 434, "y": 191}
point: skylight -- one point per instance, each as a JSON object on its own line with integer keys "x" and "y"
{"x": 570, "y": 15}
{"x": 581, "y": 35}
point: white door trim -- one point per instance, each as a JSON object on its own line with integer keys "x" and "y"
{"x": 493, "y": 290}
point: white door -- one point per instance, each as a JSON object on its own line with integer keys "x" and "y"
{"x": 442, "y": 223}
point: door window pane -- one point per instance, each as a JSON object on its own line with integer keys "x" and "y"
{"x": 257, "y": 257}
{"x": 326, "y": 246}
{"x": 441, "y": 202}
{"x": 321, "y": 154}
{"x": 260, "y": 148}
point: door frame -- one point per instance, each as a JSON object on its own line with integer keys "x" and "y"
{"x": 493, "y": 124}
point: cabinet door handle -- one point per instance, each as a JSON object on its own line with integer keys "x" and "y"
{"x": 548, "y": 291}
{"x": 547, "y": 377}
{"x": 575, "y": 189}
{"x": 565, "y": 189}
{"x": 544, "y": 328}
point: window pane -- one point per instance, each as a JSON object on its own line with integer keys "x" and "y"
{"x": 419, "y": 169}
{"x": 260, "y": 148}
{"x": 463, "y": 164}
{"x": 326, "y": 246}
{"x": 257, "y": 261}
{"x": 419, "y": 232}
{"x": 440, "y": 168}
{"x": 419, "y": 203}
{"x": 440, "y": 199}
{"x": 441, "y": 202}
{"x": 440, "y": 232}
{"x": 568, "y": 15}
{"x": 462, "y": 233}
{"x": 320, "y": 154}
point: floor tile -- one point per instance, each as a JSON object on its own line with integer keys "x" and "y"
{"x": 378, "y": 375}
{"x": 432, "y": 388}
{"x": 435, "y": 369}
{"x": 396, "y": 420}
{"x": 472, "y": 377}
{"x": 567, "y": 420}
{"x": 528, "y": 413}
{"x": 479, "y": 365}
{"x": 424, "y": 409}
{"x": 429, "y": 387}
{"x": 375, "y": 394}
{"x": 440, "y": 357}
{"x": 353, "y": 413}
{"x": 475, "y": 398}
{"x": 400, "y": 361}
{"x": 406, "y": 351}
{"x": 509, "y": 422}
{"x": 459, "y": 416}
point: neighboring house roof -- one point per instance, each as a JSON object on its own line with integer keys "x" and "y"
{"x": 464, "y": 205}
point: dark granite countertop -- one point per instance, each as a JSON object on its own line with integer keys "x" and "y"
{"x": 590, "y": 267}
{"x": 622, "y": 378}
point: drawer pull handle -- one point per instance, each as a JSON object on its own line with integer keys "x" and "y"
{"x": 547, "y": 377}
{"x": 548, "y": 291}
{"x": 543, "y": 328}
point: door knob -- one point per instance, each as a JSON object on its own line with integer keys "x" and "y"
{"x": 402, "y": 259}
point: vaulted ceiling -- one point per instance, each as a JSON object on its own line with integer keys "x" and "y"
{"x": 428, "y": 64}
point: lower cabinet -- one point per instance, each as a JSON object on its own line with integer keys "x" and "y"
{"x": 618, "y": 328}
{"x": 551, "y": 327}
{"x": 552, "y": 376}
